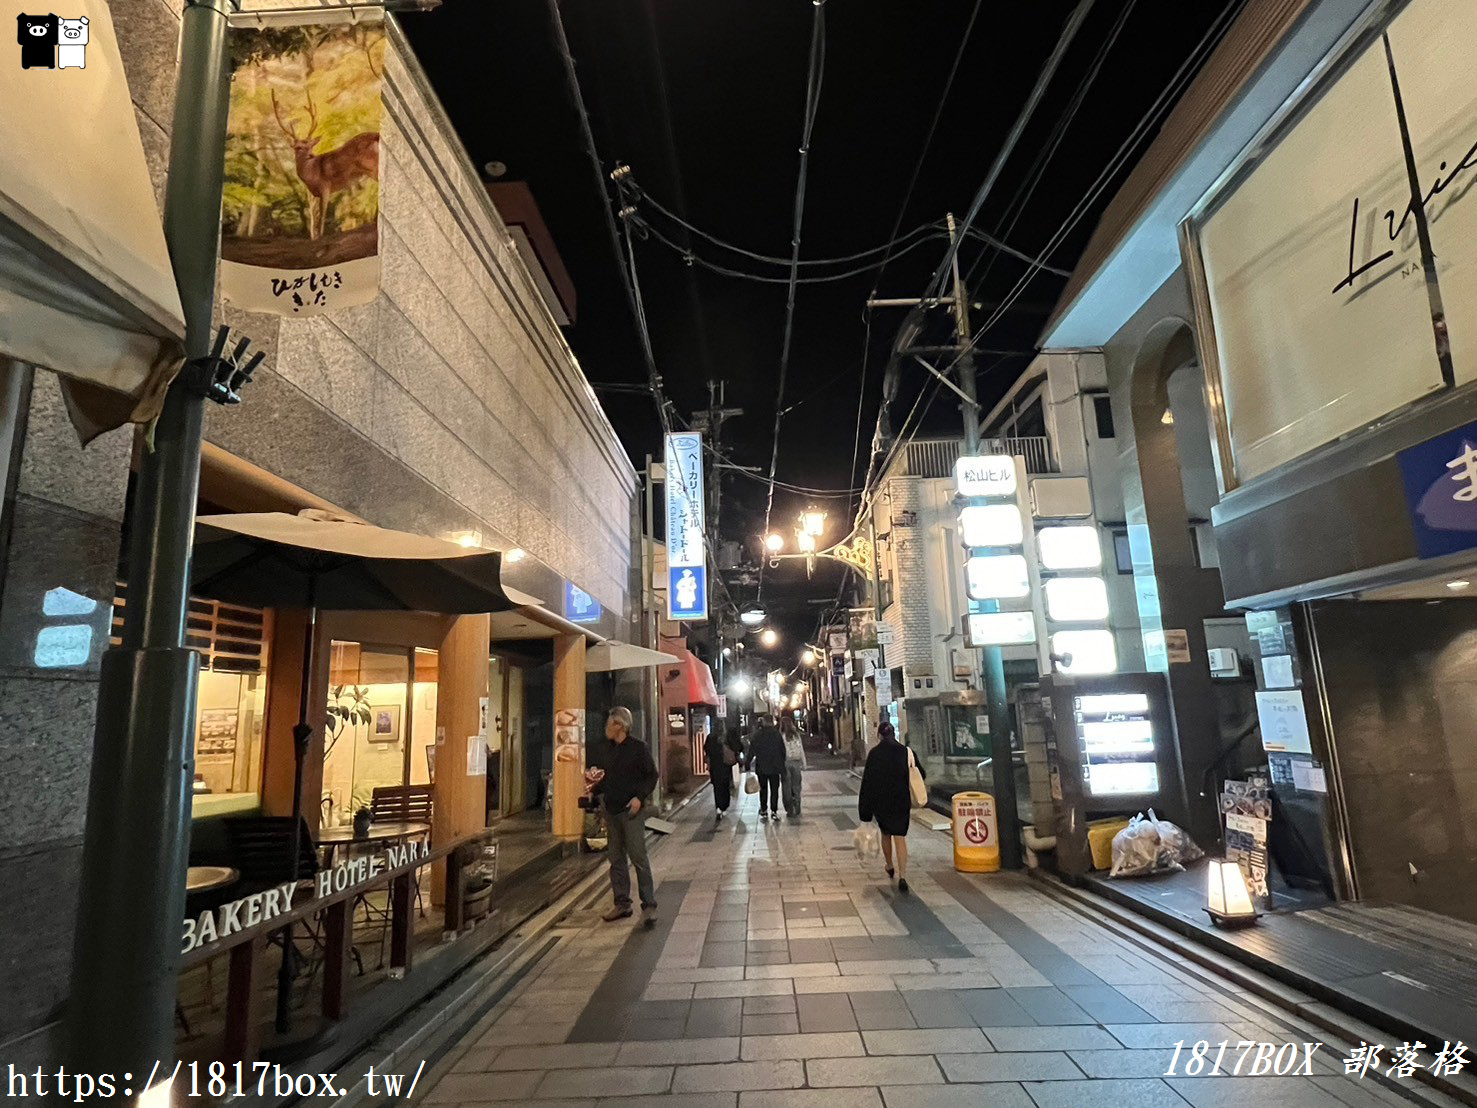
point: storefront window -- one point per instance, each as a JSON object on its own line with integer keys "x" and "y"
{"x": 381, "y": 725}
{"x": 230, "y": 706}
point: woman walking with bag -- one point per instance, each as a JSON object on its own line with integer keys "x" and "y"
{"x": 887, "y": 795}
{"x": 723, "y": 753}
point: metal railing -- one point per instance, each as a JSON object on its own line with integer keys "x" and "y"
{"x": 936, "y": 457}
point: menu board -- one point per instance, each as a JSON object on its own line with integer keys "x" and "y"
{"x": 1116, "y": 733}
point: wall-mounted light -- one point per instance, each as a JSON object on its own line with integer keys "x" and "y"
{"x": 769, "y": 636}
{"x": 774, "y": 543}
{"x": 1167, "y": 418}
{"x": 752, "y": 618}
{"x": 1228, "y": 899}
{"x": 1458, "y": 586}
{"x": 517, "y": 554}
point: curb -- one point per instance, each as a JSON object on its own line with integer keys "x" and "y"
{"x": 1243, "y": 972}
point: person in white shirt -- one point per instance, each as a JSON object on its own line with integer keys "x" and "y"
{"x": 795, "y": 767}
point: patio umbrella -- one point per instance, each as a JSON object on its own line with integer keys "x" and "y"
{"x": 318, "y": 561}
{"x": 611, "y": 655}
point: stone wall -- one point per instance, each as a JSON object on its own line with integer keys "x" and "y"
{"x": 450, "y": 403}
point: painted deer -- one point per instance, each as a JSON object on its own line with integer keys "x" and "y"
{"x": 330, "y": 173}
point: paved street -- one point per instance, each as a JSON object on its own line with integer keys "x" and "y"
{"x": 783, "y": 972}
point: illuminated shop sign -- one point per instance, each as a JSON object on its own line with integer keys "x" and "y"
{"x": 1000, "y": 629}
{"x": 989, "y": 475}
{"x": 1076, "y": 547}
{"x": 1119, "y": 756}
{"x": 997, "y": 577}
{"x": 990, "y": 525}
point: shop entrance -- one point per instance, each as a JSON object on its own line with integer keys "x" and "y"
{"x": 1398, "y": 668}
{"x": 507, "y": 784}
{"x": 381, "y": 724}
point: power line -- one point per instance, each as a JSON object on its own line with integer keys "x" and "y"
{"x": 1022, "y": 196}
{"x": 1043, "y": 79}
{"x": 1181, "y": 78}
{"x": 812, "y": 104}
{"x": 928, "y": 141}
{"x": 692, "y": 257}
{"x": 896, "y": 240}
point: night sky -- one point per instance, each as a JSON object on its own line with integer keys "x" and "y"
{"x": 704, "y": 100}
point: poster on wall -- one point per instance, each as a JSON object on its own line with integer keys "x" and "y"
{"x": 1284, "y": 722}
{"x": 569, "y": 735}
{"x": 300, "y": 219}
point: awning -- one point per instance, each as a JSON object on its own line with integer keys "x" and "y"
{"x": 86, "y": 285}
{"x": 689, "y": 677}
{"x": 611, "y": 655}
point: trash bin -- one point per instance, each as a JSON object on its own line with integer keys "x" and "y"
{"x": 976, "y": 833}
{"x": 1100, "y": 841}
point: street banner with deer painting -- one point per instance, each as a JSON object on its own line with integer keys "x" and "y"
{"x": 300, "y": 221}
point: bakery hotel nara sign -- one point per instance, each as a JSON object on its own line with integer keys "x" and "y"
{"x": 221, "y": 923}
{"x": 687, "y": 574}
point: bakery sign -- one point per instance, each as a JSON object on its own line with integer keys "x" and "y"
{"x": 221, "y": 923}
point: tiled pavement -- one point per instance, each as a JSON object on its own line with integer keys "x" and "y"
{"x": 784, "y": 973}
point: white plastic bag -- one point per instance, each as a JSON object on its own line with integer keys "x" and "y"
{"x": 751, "y": 783}
{"x": 868, "y": 841}
{"x": 1150, "y": 845}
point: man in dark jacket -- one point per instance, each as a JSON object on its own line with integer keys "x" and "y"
{"x": 630, "y": 777}
{"x": 767, "y": 759}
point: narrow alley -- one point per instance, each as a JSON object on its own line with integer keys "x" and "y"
{"x": 783, "y": 971}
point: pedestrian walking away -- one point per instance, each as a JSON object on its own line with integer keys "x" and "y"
{"x": 884, "y": 796}
{"x": 795, "y": 767}
{"x": 767, "y": 759}
{"x": 724, "y": 752}
{"x": 630, "y": 776}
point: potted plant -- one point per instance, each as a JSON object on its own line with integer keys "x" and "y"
{"x": 348, "y": 706}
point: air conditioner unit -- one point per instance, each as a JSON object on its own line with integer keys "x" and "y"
{"x": 1224, "y": 662}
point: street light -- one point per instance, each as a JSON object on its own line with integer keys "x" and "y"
{"x": 813, "y": 522}
{"x": 752, "y": 618}
{"x": 774, "y": 543}
{"x": 808, "y": 658}
{"x": 769, "y": 636}
{"x": 806, "y": 541}
{"x": 739, "y": 686}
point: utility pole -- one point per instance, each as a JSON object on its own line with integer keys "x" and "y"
{"x": 1002, "y": 764}
{"x": 125, "y": 962}
{"x": 711, "y": 423}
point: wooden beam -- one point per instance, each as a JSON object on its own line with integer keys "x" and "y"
{"x": 460, "y": 798}
{"x": 569, "y": 735}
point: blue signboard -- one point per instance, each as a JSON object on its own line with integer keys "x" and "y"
{"x": 580, "y": 606}
{"x": 687, "y": 592}
{"x": 1440, "y": 478}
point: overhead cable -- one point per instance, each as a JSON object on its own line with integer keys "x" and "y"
{"x": 812, "y": 104}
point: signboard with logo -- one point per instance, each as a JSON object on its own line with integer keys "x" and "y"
{"x": 580, "y": 606}
{"x": 687, "y": 575}
{"x": 985, "y": 475}
{"x": 1440, "y": 477}
{"x": 1308, "y": 255}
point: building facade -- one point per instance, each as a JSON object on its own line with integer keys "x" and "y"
{"x": 451, "y": 406}
{"x": 1289, "y": 368}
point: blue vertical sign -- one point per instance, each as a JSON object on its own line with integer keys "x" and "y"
{"x": 687, "y": 574}
{"x": 580, "y": 606}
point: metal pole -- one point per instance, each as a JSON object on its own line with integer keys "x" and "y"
{"x": 126, "y": 950}
{"x": 992, "y": 664}
{"x": 649, "y": 617}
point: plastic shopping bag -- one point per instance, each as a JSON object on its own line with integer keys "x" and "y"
{"x": 751, "y": 783}
{"x": 868, "y": 841}
{"x": 1149, "y": 845}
